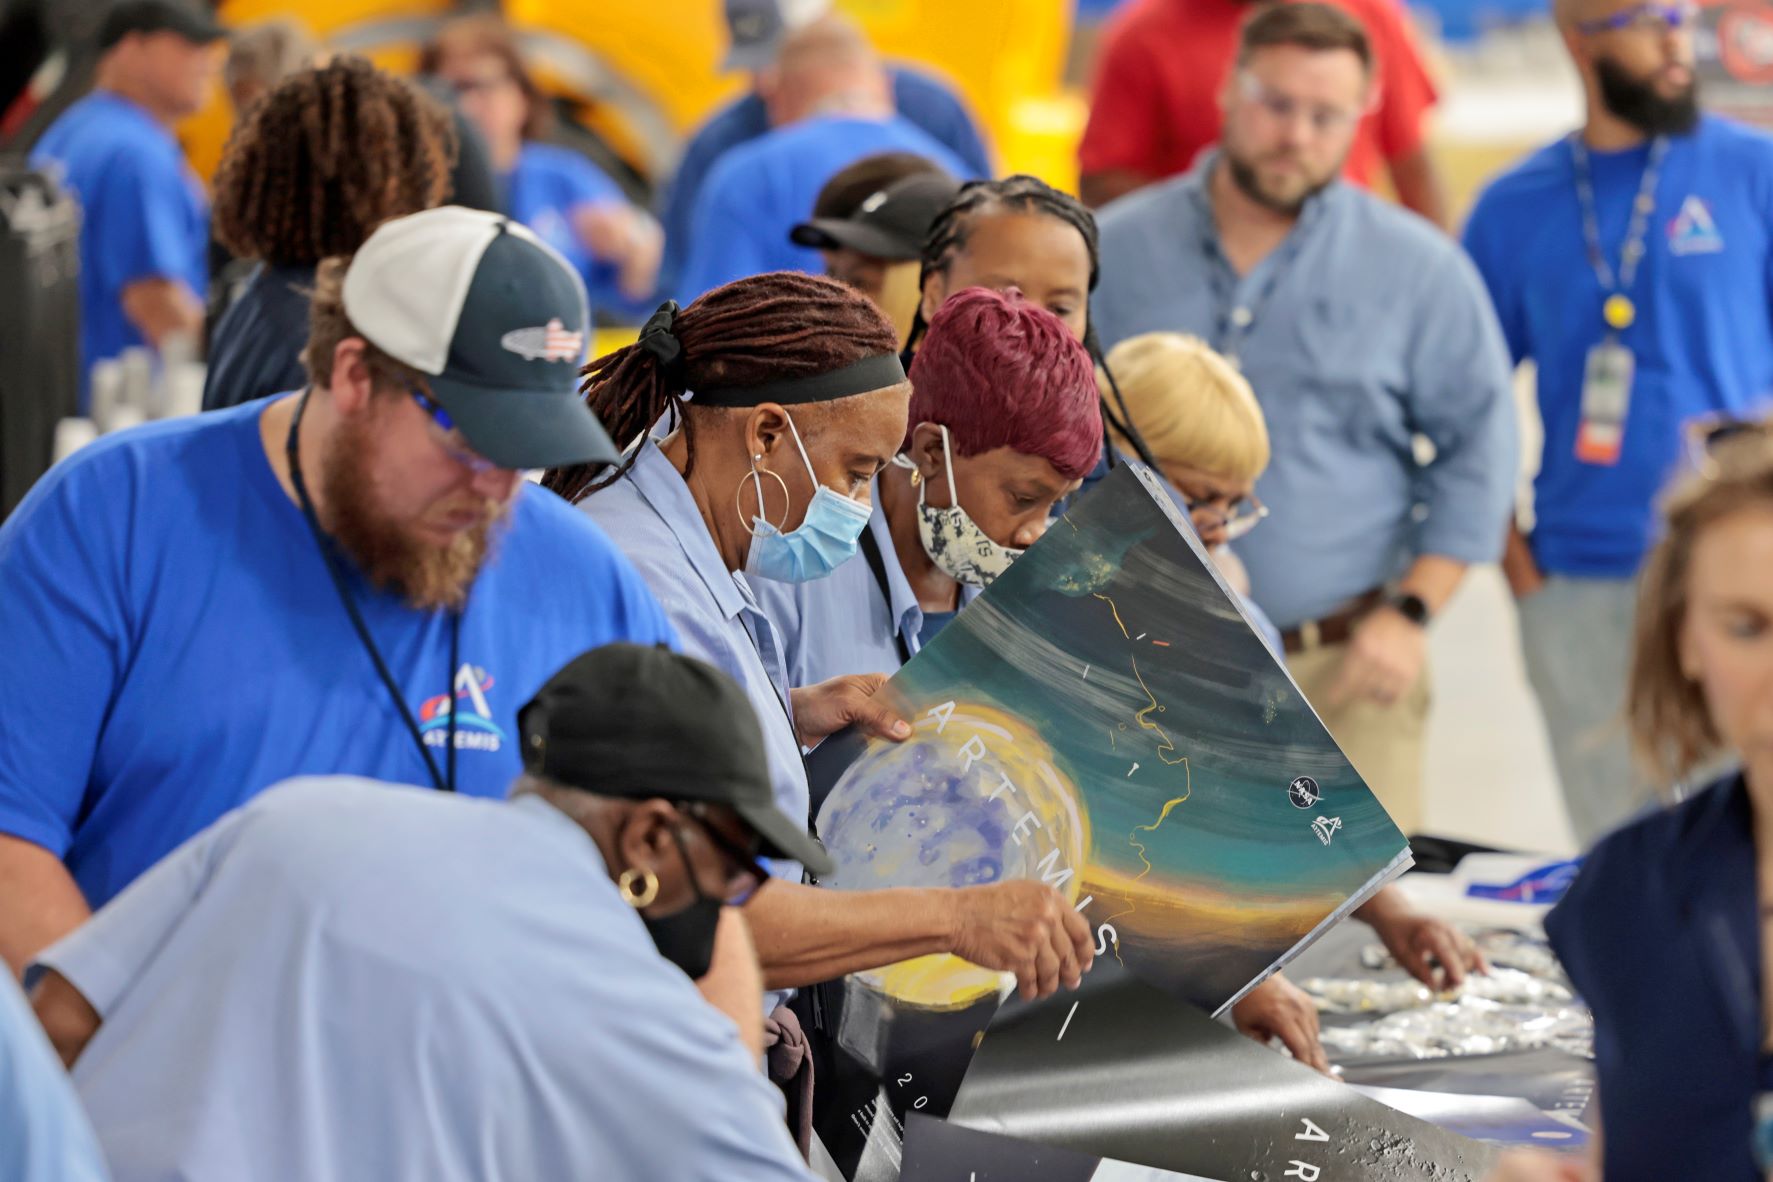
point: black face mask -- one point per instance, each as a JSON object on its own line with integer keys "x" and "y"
{"x": 686, "y": 937}
{"x": 1637, "y": 101}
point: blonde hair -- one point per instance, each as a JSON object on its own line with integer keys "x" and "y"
{"x": 1672, "y": 730}
{"x": 1190, "y": 404}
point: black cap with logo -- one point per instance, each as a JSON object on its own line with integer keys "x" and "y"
{"x": 891, "y": 223}
{"x": 634, "y": 722}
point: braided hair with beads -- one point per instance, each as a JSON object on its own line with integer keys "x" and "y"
{"x": 324, "y": 158}
{"x": 1023, "y": 194}
{"x": 764, "y": 328}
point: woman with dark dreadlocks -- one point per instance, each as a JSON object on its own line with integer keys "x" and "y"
{"x": 316, "y": 164}
{"x": 800, "y": 400}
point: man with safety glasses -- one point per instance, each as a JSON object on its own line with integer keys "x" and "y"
{"x": 1632, "y": 262}
{"x": 1368, "y": 339}
{"x": 354, "y": 578}
{"x": 350, "y": 979}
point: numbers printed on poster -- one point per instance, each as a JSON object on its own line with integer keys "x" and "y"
{"x": 921, "y": 1100}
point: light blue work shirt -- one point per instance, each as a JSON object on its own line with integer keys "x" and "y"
{"x": 346, "y": 979}
{"x": 846, "y": 622}
{"x": 44, "y": 1135}
{"x": 1366, "y": 329}
{"x": 652, "y": 518}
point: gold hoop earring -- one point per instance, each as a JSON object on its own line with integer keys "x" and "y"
{"x": 755, "y": 478}
{"x": 649, "y": 887}
{"x": 916, "y": 477}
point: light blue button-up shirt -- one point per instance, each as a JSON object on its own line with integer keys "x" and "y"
{"x": 847, "y": 622}
{"x": 1366, "y": 329}
{"x": 651, "y": 516}
{"x": 44, "y": 1134}
{"x": 347, "y": 979}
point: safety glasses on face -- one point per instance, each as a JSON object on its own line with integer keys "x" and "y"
{"x": 1650, "y": 18}
{"x": 746, "y": 873}
{"x": 1237, "y": 518}
{"x": 448, "y": 436}
{"x": 1706, "y": 436}
{"x": 1284, "y": 108}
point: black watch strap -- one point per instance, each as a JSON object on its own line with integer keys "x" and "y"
{"x": 1412, "y": 607}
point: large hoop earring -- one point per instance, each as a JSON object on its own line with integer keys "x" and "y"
{"x": 649, "y": 887}
{"x": 755, "y": 478}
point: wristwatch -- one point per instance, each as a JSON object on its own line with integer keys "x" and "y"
{"x": 1412, "y": 607}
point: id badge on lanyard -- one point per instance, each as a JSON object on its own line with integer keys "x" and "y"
{"x": 1606, "y": 400}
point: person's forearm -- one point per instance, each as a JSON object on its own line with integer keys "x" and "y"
{"x": 1387, "y": 902}
{"x": 1419, "y": 187}
{"x": 42, "y": 902}
{"x": 1434, "y": 577}
{"x": 805, "y": 934}
{"x": 163, "y": 308}
{"x": 733, "y": 984}
{"x": 65, "y": 1015}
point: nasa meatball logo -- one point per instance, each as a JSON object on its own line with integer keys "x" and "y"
{"x": 1304, "y": 793}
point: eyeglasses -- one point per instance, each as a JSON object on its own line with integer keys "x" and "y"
{"x": 446, "y": 435}
{"x": 1285, "y": 108}
{"x": 1240, "y": 517}
{"x": 750, "y": 870}
{"x": 1645, "y": 18}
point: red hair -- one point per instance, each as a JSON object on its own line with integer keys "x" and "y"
{"x": 998, "y": 371}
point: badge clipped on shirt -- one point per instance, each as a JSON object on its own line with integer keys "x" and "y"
{"x": 1606, "y": 396}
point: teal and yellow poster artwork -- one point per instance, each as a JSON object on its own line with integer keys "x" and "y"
{"x": 1105, "y": 719}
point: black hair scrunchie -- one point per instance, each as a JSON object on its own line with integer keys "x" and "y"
{"x": 658, "y": 339}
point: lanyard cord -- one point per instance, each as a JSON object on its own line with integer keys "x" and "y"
{"x": 877, "y": 564}
{"x": 1632, "y": 252}
{"x": 362, "y": 629}
{"x": 1235, "y": 320}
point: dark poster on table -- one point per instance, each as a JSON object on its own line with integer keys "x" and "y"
{"x": 940, "y": 1151}
{"x": 1123, "y": 1070}
{"x": 1104, "y": 719}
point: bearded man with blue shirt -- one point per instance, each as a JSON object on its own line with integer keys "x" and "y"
{"x": 144, "y": 231}
{"x": 1632, "y": 262}
{"x": 1363, "y": 331}
{"x": 353, "y": 579}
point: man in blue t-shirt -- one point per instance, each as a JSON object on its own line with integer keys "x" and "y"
{"x": 759, "y": 31}
{"x": 1632, "y": 262}
{"x": 356, "y": 579}
{"x": 145, "y": 228}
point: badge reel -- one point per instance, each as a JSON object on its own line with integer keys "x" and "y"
{"x": 1606, "y": 388}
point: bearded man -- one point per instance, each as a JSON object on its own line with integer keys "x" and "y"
{"x": 1369, "y": 342}
{"x": 1632, "y": 262}
{"x": 354, "y": 578}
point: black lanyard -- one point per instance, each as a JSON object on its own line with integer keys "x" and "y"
{"x": 877, "y": 564}
{"x": 1236, "y": 319}
{"x": 334, "y": 569}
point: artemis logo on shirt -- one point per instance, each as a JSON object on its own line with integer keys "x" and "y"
{"x": 475, "y": 728}
{"x": 1694, "y": 230}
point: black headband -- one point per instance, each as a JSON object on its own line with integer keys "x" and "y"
{"x": 870, "y": 373}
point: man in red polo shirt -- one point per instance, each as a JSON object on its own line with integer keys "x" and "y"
{"x": 1154, "y": 103}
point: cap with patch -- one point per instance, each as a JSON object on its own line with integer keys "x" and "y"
{"x": 890, "y": 223}
{"x": 634, "y": 722}
{"x": 194, "y": 24}
{"x": 497, "y": 321}
{"x": 758, "y": 26}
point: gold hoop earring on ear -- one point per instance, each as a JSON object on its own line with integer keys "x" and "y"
{"x": 916, "y": 477}
{"x": 649, "y": 887}
{"x": 755, "y": 478}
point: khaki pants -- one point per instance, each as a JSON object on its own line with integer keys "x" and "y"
{"x": 1385, "y": 743}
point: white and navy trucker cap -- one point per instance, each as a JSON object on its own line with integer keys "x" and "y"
{"x": 497, "y": 321}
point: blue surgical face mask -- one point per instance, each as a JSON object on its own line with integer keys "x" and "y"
{"x": 824, "y": 541}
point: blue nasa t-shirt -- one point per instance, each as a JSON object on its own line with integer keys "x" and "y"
{"x": 174, "y": 645}
{"x": 143, "y": 214}
{"x": 1703, "y": 338}
{"x": 547, "y": 185}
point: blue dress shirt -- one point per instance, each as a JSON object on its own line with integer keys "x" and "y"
{"x": 924, "y": 100}
{"x": 1365, "y": 330}
{"x": 1661, "y": 935}
{"x": 846, "y": 622}
{"x": 44, "y": 1134}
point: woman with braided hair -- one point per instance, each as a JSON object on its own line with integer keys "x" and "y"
{"x": 799, "y": 401}
{"x": 316, "y": 164}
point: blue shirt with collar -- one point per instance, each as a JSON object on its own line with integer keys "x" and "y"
{"x": 651, "y": 516}
{"x": 44, "y": 1134}
{"x": 1661, "y": 936}
{"x": 1702, "y": 339}
{"x": 759, "y": 191}
{"x": 847, "y": 622}
{"x": 459, "y": 994}
{"x": 921, "y": 98}
{"x": 1365, "y": 329}
{"x": 143, "y": 214}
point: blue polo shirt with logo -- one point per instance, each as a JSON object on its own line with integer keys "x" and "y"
{"x": 1703, "y": 338}
{"x": 174, "y": 644}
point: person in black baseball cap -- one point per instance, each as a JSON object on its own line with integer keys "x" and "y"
{"x": 191, "y": 21}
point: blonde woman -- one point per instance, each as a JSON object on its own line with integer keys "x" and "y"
{"x": 1667, "y": 929}
{"x": 1202, "y": 424}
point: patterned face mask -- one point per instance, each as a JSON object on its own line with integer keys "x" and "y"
{"x": 954, "y": 541}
